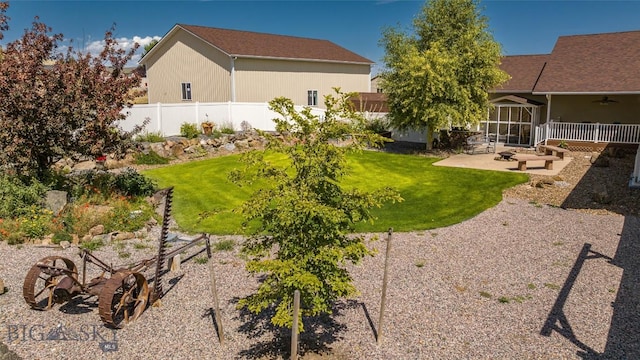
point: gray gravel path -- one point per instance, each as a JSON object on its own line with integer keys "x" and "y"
{"x": 519, "y": 281}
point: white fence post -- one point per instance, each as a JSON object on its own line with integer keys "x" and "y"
{"x": 596, "y": 133}
{"x": 159, "y": 114}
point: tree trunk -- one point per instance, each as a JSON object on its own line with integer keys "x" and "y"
{"x": 429, "y": 138}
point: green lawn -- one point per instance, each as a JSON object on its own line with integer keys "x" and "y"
{"x": 435, "y": 196}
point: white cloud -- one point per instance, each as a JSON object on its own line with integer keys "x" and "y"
{"x": 94, "y": 47}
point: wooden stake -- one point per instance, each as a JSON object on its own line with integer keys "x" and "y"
{"x": 214, "y": 292}
{"x": 294, "y": 328}
{"x": 383, "y": 300}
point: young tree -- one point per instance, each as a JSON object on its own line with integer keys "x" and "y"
{"x": 55, "y": 104}
{"x": 304, "y": 217}
{"x": 441, "y": 75}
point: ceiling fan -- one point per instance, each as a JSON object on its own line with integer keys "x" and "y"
{"x": 605, "y": 101}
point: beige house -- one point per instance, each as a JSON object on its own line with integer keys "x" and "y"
{"x": 585, "y": 87}
{"x": 204, "y": 64}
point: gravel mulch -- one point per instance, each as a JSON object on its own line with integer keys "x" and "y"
{"x": 484, "y": 288}
{"x": 522, "y": 280}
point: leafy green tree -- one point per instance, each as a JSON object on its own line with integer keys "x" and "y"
{"x": 440, "y": 75}
{"x": 304, "y": 217}
{"x": 57, "y": 103}
{"x": 149, "y": 46}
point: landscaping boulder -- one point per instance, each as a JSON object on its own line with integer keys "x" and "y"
{"x": 85, "y": 165}
{"x": 96, "y": 230}
{"x": 120, "y": 236}
{"x": 55, "y": 201}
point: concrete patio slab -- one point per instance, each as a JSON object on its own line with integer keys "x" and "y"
{"x": 489, "y": 162}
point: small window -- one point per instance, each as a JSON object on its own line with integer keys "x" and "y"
{"x": 186, "y": 91}
{"x": 312, "y": 97}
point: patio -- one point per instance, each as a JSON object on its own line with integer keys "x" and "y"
{"x": 488, "y": 162}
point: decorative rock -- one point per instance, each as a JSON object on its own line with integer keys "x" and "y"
{"x": 174, "y": 263}
{"x": 242, "y": 144}
{"x": 104, "y": 238}
{"x": 230, "y": 146}
{"x": 123, "y": 236}
{"x": 55, "y": 201}
{"x": 64, "y": 244}
{"x": 142, "y": 233}
{"x": 87, "y": 238}
{"x": 85, "y": 165}
{"x": 47, "y": 240}
{"x": 97, "y": 230}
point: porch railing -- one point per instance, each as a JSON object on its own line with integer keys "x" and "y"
{"x": 596, "y": 133}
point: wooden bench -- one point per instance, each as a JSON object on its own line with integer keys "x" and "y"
{"x": 522, "y": 160}
{"x": 550, "y": 150}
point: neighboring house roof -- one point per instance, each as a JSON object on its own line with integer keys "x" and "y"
{"x": 259, "y": 45}
{"x": 596, "y": 64}
{"x": 524, "y": 71}
{"x": 372, "y": 102}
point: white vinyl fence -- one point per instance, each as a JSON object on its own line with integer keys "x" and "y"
{"x": 167, "y": 118}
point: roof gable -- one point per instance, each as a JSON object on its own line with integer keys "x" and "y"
{"x": 260, "y": 45}
{"x": 597, "y": 63}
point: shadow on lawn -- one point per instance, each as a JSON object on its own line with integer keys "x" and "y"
{"x": 623, "y": 340}
{"x": 273, "y": 342}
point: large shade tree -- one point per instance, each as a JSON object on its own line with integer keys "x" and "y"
{"x": 60, "y": 102}
{"x": 439, "y": 74}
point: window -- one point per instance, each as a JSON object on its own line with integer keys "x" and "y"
{"x": 312, "y": 97}
{"x": 186, "y": 91}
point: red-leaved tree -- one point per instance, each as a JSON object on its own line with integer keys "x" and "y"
{"x": 56, "y": 103}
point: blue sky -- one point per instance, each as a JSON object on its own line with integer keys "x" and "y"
{"x": 522, "y": 27}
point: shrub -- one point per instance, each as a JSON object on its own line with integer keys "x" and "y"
{"x": 36, "y": 224}
{"x": 132, "y": 183}
{"x": 152, "y": 158}
{"x": 17, "y": 197}
{"x": 90, "y": 183}
{"x": 151, "y": 137}
{"x": 61, "y": 236}
{"x": 377, "y": 125}
{"x": 227, "y": 128}
{"x": 188, "y": 130}
{"x": 127, "y": 215}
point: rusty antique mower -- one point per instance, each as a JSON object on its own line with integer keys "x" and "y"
{"x": 122, "y": 296}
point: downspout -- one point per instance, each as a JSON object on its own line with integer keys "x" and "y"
{"x": 233, "y": 78}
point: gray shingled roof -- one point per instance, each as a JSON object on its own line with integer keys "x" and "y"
{"x": 253, "y": 44}
{"x": 597, "y": 63}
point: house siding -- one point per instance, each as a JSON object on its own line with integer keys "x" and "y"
{"x": 261, "y": 80}
{"x": 585, "y": 108}
{"x": 185, "y": 58}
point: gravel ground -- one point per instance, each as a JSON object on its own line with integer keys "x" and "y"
{"x": 521, "y": 280}
{"x": 484, "y": 288}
